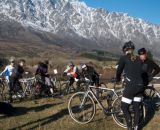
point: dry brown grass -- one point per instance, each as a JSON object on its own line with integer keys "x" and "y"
{"x": 52, "y": 114}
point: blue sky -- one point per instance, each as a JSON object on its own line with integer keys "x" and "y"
{"x": 148, "y": 10}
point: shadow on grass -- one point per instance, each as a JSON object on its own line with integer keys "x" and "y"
{"x": 23, "y": 110}
{"x": 44, "y": 121}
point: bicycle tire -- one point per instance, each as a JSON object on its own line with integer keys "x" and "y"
{"x": 84, "y": 110}
{"x": 151, "y": 96}
{"x": 116, "y": 111}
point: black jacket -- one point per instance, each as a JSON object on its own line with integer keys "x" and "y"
{"x": 42, "y": 69}
{"x": 132, "y": 69}
{"x": 20, "y": 71}
{"x": 90, "y": 73}
{"x": 151, "y": 70}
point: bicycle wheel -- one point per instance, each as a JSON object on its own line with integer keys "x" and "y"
{"x": 66, "y": 89}
{"x": 57, "y": 86}
{"x": 81, "y": 109}
{"x": 151, "y": 96}
{"x": 118, "y": 115}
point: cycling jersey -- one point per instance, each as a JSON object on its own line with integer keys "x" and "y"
{"x": 132, "y": 69}
{"x": 73, "y": 71}
{"x": 151, "y": 69}
{"x": 42, "y": 69}
{"x": 8, "y": 71}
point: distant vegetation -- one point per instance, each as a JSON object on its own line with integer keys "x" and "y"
{"x": 100, "y": 55}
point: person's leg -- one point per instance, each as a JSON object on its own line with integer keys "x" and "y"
{"x": 78, "y": 85}
{"x": 96, "y": 81}
{"x": 48, "y": 84}
{"x": 136, "y": 106}
{"x": 125, "y": 103}
{"x": 10, "y": 89}
{"x": 71, "y": 81}
{"x": 137, "y": 111}
{"x": 125, "y": 108}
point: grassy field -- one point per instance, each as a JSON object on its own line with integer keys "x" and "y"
{"x": 52, "y": 114}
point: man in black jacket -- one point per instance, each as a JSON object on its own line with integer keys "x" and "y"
{"x": 90, "y": 73}
{"x": 131, "y": 65}
{"x": 150, "y": 67}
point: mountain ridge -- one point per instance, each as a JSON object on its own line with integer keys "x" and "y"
{"x": 73, "y": 19}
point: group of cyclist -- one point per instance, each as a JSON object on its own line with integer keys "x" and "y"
{"x": 138, "y": 71}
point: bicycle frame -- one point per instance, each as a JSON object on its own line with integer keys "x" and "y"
{"x": 27, "y": 83}
{"x": 91, "y": 93}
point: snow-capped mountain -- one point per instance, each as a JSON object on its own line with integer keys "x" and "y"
{"x": 73, "y": 19}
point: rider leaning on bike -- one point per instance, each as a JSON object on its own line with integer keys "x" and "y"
{"x": 90, "y": 73}
{"x": 133, "y": 69}
{"x": 73, "y": 73}
{"x": 42, "y": 71}
{"x": 152, "y": 69}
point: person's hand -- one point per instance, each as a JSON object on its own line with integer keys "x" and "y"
{"x": 68, "y": 74}
{"x": 87, "y": 79}
{"x": 76, "y": 79}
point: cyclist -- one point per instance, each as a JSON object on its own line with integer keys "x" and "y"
{"x": 152, "y": 69}
{"x": 42, "y": 71}
{"x": 88, "y": 72}
{"x": 18, "y": 74}
{"x": 9, "y": 72}
{"x": 133, "y": 91}
{"x": 73, "y": 73}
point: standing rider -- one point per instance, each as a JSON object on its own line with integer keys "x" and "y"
{"x": 152, "y": 69}
{"x": 9, "y": 73}
{"x": 133, "y": 91}
{"x": 42, "y": 71}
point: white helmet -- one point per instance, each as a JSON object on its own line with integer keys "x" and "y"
{"x": 83, "y": 66}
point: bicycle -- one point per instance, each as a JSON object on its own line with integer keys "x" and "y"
{"x": 66, "y": 88}
{"x": 27, "y": 84}
{"x": 152, "y": 95}
{"x": 56, "y": 84}
{"x": 82, "y": 105}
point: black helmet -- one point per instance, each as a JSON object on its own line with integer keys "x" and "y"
{"x": 128, "y": 45}
{"x": 142, "y": 51}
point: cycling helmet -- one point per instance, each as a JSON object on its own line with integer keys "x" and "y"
{"x": 83, "y": 66}
{"x": 128, "y": 45}
{"x": 142, "y": 51}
